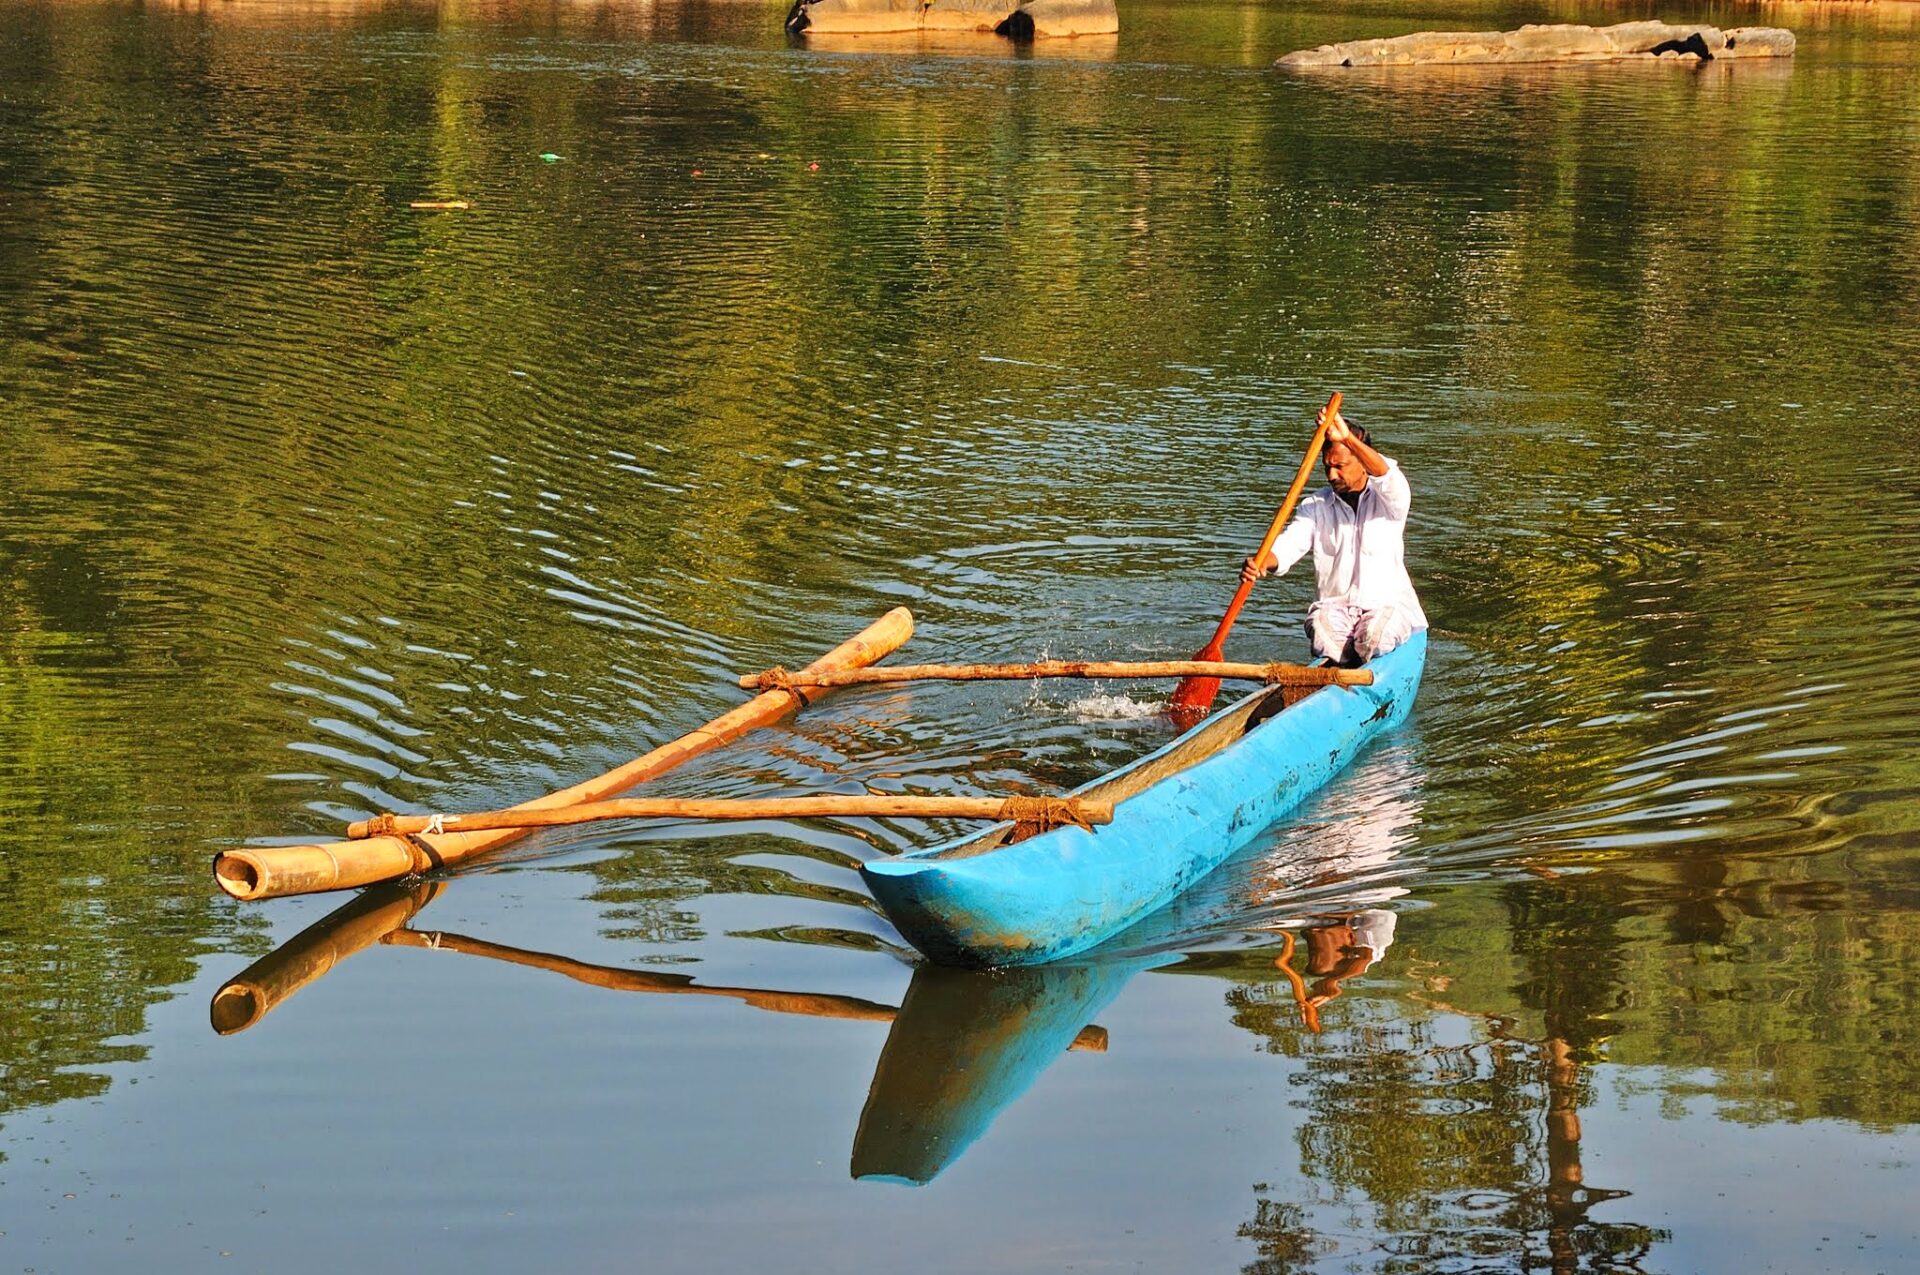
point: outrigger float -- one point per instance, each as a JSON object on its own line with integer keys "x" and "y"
{"x": 265, "y": 872}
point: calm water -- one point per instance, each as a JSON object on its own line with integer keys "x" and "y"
{"x": 313, "y": 505}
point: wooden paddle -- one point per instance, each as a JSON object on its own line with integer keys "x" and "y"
{"x": 1193, "y": 697}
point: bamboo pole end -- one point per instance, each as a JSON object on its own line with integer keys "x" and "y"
{"x": 236, "y": 1007}
{"x": 1092, "y": 1038}
{"x": 898, "y": 622}
{"x": 241, "y": 873}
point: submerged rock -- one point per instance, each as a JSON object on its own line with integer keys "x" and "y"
{"x": 1038, "y": 19}
{"x": 1565, "y": 42}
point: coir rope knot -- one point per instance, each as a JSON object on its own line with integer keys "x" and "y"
{"x": 1047, "y": 812}
{"x": 778, "y": 679}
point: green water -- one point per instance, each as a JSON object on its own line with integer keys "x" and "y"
{"x": 312, "y": 504}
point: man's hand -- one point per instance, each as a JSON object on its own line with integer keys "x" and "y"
{"x": 1337, "y": 431}
{"x": 1251, "y": 570}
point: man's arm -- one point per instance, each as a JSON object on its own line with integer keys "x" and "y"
{"x": 1339, "y": 432}
{"x": 1291, "y": 546}
{"x": 1383, "y": 476}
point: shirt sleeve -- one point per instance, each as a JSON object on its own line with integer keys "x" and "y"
{"x": 1294, "y": 542}
{"x": 1393, "y": 490}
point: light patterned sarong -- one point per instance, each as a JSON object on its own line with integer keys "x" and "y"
{"x": 1350, "y": 635}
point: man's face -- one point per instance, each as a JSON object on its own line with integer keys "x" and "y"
{"x": 1344, "y": 470}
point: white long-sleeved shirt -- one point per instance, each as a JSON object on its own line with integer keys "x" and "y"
{"x": 1359, "y": 554}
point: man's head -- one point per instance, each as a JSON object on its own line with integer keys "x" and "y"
{"x": 1344, "y": 469}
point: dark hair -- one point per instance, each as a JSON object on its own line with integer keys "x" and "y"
{"x": 1359, "y": 432}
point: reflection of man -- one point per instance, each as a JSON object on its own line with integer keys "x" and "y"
{"x": 1345, "y": 947}
{"x": 1349, "y": 946}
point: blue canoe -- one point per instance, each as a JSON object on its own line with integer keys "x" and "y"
{"x": 987, "y": 900}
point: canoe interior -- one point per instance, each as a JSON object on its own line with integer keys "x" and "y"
{"x": 1001, "y": 898}
{"x": 1203, "y": 741}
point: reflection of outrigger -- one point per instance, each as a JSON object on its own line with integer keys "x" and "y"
{"x": 962, "y": 1045}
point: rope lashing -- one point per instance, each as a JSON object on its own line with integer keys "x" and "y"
{"x": 778, "y": 678}
{"x": 386, "y": 824}
{"x": 1295, "y": 675}
{"x": 1047, "y": 812}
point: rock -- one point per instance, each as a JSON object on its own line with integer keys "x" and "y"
{"x": 864, "y": 17}
{"x": 965, "y": 15}
{"x": 1056, "y": 19}
{"x": 1648, "y": 37}
{"x": 1039, "y": 19}
{"x": 1758, "y": 42}
{"x": 1567, "y": 42}
{"x": 1540, "y": 43}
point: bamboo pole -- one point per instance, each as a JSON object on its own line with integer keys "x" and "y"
{"x": 368, "y": 918}
{"x": 807, "y": 1004}
{"x": 1047, "y": 810}
{"x": 263, "y": 872}
{"x": 1274, "y": 674}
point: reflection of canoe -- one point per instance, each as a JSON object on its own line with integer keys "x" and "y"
{"x": 964, "y": 1045}
{"x": 989, "y": 899}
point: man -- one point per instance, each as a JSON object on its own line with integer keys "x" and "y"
{"x": 1355, "y": 527}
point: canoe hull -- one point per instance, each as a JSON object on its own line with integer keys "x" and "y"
{"x": 1064, "y": 891}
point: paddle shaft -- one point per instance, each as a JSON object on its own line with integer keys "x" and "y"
{"x": 1016, "y": 809}
{"x": 1199, "y": 692}
{"x": 1277, "y": 674}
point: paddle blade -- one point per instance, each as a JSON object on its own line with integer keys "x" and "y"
{"x": 1195, "y": 695}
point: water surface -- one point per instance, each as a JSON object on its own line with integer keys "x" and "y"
{"x": 312, "y": 505}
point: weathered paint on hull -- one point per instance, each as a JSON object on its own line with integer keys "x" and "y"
{"x": 1063, "y": 891}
